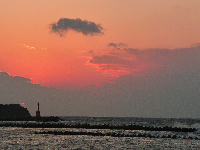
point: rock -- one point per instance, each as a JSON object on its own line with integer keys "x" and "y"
{"x": 13, "y": 111}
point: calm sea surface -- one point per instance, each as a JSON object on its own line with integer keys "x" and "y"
{"x": 24, "y": 138}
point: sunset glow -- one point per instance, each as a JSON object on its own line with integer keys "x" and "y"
{"x": 121, "y": 46}
{"x": 51, "y": 60}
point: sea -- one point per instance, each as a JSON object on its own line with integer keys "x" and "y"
{"x": 18, "y": 138}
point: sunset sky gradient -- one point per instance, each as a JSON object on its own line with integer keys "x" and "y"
{"x": 101, "y": 58}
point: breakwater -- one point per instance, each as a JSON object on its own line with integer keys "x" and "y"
{"x": 113, "y": 134}
{"x": 88, "y": 126}
{"x": 38, "y": 119}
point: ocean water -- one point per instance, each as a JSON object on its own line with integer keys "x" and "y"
{"x": 25, "y": 138}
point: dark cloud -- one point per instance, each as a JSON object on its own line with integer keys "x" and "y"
{"x": 169, "y": 88}
{"x": 78, "y": 25}
{"x": 107, "y": 59}
{"x": 117, "y": 45}
{"x": 53, "y": 102}
{"x": 113, "y": 53}
{"x": 91, "y": 51}
{"x": 177, "y": 60}
{"x": 111, "y": 65}
{"x": 195, "y": 45}
{"x": 4, "y": 79}
{"x": 158, "y": 94}
{"x": 132, "y": 51}
{"x": 140, "y": 61}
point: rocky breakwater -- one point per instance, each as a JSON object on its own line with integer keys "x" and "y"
{"x": 47, "y": 124}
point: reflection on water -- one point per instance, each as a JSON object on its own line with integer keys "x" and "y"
{"x": 24, "y": 138}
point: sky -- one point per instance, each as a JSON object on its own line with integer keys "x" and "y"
{"x": 101, "y": 58}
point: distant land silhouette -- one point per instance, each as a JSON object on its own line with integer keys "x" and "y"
{"x": 13, "y": 111}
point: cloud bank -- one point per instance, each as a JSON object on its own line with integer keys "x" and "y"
{"x": 85, "y": 27}
{"x": 16, "y": 90}
{"x": 142, "y": 61}
{"x": 161, "y": 83}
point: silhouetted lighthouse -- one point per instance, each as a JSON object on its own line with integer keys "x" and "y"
{"x": 38, "y": 111}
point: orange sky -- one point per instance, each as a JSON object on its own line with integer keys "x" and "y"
{"x": 31, "y": 50}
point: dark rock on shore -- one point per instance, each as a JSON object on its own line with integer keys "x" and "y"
{"x": 13, "y": 111}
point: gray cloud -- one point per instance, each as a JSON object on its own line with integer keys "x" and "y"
{"x": 91, "y": 51}
{"x": 132, "y": 51}
{"x": 171, "y": 89}
{"x": 168, "y": 88}
{"x": 195, "y": 45}
{"x": 115, "y": 45}
{"x": 107, "y": 59}
{"x": 112, "y": 65}
{"x": 78, "y": 25}
{"x": 52, "y": 101}
{"x": 177, "y": 61}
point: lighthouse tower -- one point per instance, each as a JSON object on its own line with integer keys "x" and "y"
{"x": 38, "y": 111}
